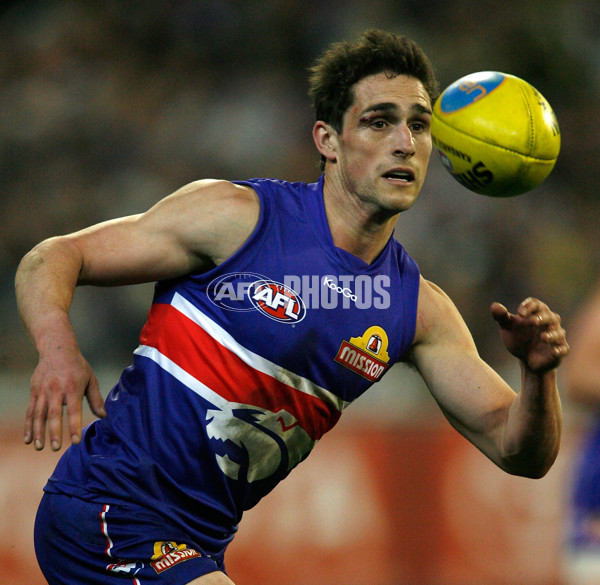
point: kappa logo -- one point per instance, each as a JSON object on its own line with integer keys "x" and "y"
{"x": 167, "y": 554}
{"x": 367, "y": 355}
{"x": 277, "y": 301}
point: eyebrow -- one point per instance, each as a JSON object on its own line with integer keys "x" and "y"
{"x": 390, "y": 106}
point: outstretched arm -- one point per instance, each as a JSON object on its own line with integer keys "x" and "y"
{"x": 519, "y": 432}
{"x": 534, "y": 335}
{"x": 195, "y": 228}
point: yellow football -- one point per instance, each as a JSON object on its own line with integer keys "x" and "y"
{"x": 495, "y": 133}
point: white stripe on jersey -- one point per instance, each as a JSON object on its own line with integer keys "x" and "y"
{"x": 180, "y": 374}
{"x": 254, "y": 360}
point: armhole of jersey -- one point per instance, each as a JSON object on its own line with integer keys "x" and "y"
{"x": 251, "y": 245}
{"x": 411, "y": 277}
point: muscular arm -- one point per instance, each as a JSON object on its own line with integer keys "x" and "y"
{"x": 519, "y": 432}
{"x": 192, "y": 230}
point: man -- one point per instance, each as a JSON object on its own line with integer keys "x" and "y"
{"x": 277, "y": 305}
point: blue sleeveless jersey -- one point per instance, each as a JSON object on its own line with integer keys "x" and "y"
{"x": 242, "y": 369}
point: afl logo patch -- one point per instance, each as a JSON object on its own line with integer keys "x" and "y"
{"x": 277, "y": 301}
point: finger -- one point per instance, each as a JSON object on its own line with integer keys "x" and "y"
{"x": 560, "y": 350}
{"x": 554, "y": 332}
{"x": 55, "y": 418}
{"x": 558, "y": 339}
{"x": 539, "y": 313}
{"x": 28, "y": 431}
{"x": 563, "y": 349}
{"x": 39, "y": 422}
{"x": 500, "y": 314}
{"x": 525, "y": 307}
{"x": 531, "y": 307}
{"x": 549, "y": 320}
{"x": 533, "y": 313}
{"x": 94, "y": 398}
{"x": 74, "y": 418}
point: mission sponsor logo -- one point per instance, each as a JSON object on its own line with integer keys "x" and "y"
{"x": 168, "y": 554}
{"x": 366, "y": 355}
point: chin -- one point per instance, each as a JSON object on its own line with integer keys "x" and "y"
{"x": 405, "y": 200}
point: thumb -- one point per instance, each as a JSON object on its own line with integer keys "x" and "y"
{"x": 500, "y": 314}
{"x": 94, "y": 398}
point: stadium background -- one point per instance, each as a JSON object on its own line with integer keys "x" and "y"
{"x": 107, "y": 106}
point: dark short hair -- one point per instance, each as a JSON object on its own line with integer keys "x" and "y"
{"x": 335, "y": 73}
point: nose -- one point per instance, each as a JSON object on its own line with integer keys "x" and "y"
{"x": 404, "y": 144}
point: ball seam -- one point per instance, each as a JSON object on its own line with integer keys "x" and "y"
{"x": 438, "y": 119}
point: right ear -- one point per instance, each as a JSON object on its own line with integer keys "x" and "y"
{"x": 325, "y": 138}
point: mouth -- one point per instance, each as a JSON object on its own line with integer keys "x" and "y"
{"x": 400, "y": 175}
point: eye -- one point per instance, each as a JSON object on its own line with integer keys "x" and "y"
{"x": 379, "y": 124}
{"x": 419, "y": 126}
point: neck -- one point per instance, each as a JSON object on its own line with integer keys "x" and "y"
{"x": 357, "y": 227}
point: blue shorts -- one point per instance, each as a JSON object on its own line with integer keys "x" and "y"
{"x": 80, "y": 542}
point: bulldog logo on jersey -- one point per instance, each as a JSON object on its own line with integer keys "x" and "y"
{"x": 366, "y": 355}
{"x": 277, "y": 301}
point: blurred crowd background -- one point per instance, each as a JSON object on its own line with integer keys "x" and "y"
{"x": 107, "y": 106}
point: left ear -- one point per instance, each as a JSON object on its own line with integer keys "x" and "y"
{"x": 325, "y": 138}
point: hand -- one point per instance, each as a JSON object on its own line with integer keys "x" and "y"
{"x": 533, "y": 334}
{"x": 60, "y": 379}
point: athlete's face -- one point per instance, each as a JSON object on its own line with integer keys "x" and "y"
{"x": 383, "y": 150}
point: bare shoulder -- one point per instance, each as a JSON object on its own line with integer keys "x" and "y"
{"x": 212, "y": 218}
{"x": 193, "y": 229}
{"x": 212, "y": 199}
{"x": 216, "y": 190}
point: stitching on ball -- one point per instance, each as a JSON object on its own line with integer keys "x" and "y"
{"x": 528, "y": 156}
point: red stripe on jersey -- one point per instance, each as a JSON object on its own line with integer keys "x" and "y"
{"x": 188, "y": 345}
